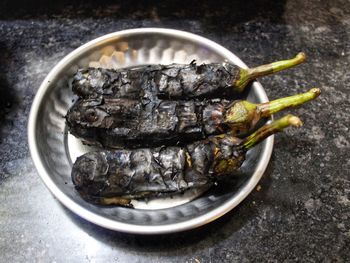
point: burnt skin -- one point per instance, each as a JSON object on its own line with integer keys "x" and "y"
{"x": 147, "y": 123}
{"x": 102, "y": 176}
{"x": 177, "y": 81}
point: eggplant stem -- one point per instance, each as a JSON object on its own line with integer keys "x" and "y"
{"x": 247, "y": 75}
{"x": 268, "y": 108}
{"x": 269, "y": 129}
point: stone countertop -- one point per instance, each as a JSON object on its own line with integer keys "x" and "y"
{"x": 301, "y": 209}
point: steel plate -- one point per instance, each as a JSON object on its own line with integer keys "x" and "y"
{"x": 53, "y": 149}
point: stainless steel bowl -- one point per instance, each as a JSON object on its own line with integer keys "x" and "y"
{"x": 53, "y": 150}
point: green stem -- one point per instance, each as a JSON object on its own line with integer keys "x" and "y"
{"x": 242, "y": 116}
{"x": 268, "y": 108}
{"x": 247, "y": 75}
{"x": 269, "y": 129}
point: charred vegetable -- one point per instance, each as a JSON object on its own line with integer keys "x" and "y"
{"x": 116, "y": 177}
{"x": 143, "y": 123}
{"x": 171, "y": 81}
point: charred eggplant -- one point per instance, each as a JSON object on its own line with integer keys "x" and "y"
{"x": 179, "y": 81}
{"x": 116, "y": 177}
{"x": 149, "y": 123}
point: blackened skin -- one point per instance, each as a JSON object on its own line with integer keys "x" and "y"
{"x": 115, "y": 177}
{"x": 128, "y": 123}
{"x": 172, "y": 81}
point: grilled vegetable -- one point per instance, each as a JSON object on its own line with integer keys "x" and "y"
{"x": 171, "y": 81}
{"x": 134, "y": 123}
{"x": 116, "y": 177}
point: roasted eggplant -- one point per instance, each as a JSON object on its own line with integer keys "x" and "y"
{"x": 116, "y": 177}
{"x": 116, "y": 123}
{"x": 175, "y": 81}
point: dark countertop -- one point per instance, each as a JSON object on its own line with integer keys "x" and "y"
{"x": 301, "y": 212}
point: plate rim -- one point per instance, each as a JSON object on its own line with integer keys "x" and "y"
{"x": 126, "y": 227}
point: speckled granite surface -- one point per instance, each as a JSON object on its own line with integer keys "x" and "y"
{"x": 302, "y": 211}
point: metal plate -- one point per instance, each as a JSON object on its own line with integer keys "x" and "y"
{"x": 53, "y": 150}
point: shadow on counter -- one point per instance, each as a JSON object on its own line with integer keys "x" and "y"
{"x": 7, "y": 95}
{"x": 8, "y": 105}
{"x": 215, "y": 15}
